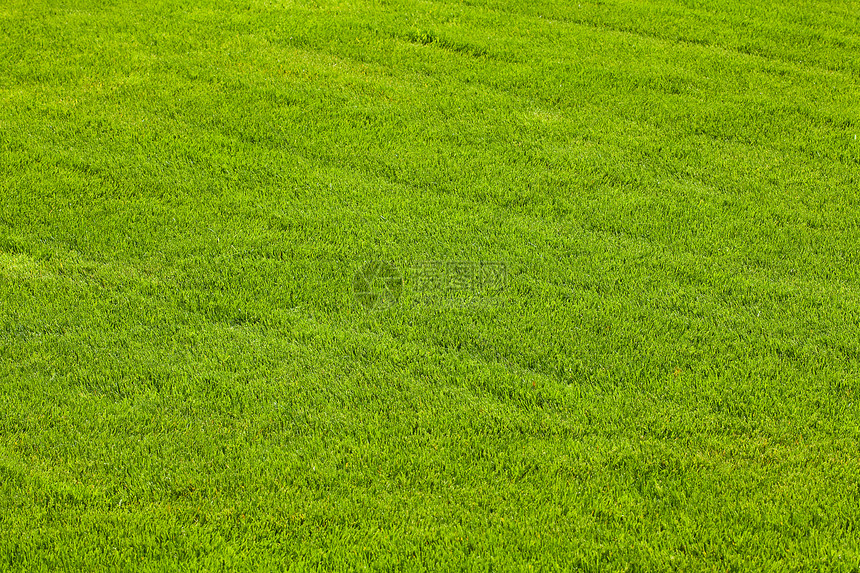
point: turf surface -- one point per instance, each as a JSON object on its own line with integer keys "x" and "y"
{"x": 216, "y": 351}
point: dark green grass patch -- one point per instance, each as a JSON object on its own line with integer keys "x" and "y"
{"x": 662, "y": 373}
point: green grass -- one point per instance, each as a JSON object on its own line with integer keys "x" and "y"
{"x": 668, "y": 380}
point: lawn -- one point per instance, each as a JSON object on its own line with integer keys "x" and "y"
{"x": 430, "y": 285}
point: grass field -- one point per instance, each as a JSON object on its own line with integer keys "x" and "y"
{"x": 664, "y": 376}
